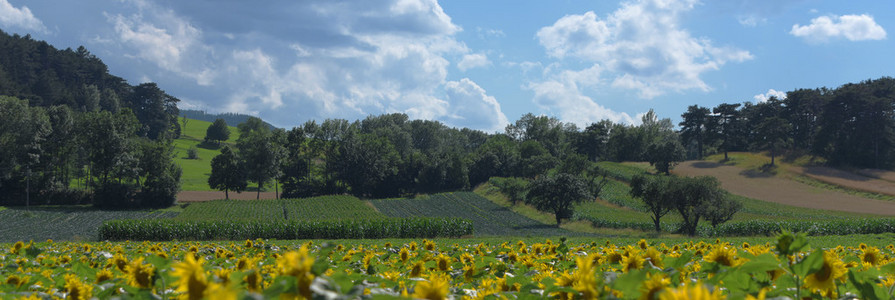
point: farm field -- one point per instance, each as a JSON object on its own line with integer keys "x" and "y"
{"x": 64, "y": 222}
{"x": 316, "y": 208}
{"x": 488, "y": 219}
{"x": 588, "y": 268}
{"x": 784, "y": 191}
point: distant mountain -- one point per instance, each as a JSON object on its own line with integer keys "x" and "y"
{"x": 232, "y": 119}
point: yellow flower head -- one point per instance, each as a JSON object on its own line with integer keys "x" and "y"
{"x": 103, "y": 275}
{"x": 435, "y": 288}
{"x": 691, "y": 292}
{"x": 298, "y": 264}
{"x": 253, "y": 281}
{"x": 139, "y": 274}
{"x": 192, "y": 280}
{"x": 871, "y": 255}
{"x": 823, "y": 280}
{"x": 654, "y": 285}
{"x": 220, "y": 292}
{"x": 76, "y": 289}
{"x": 417, "y": 269}
{"x": 404, "y": 254}
{"x": 119, "y": 261}
{"x": 726, "y": 256}
{"x": 443, "y": 262}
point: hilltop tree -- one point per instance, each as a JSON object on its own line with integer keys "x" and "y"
{"x": 217, "y": 131}
{"x": 259, "y": 152}
{"x": 665, "y": 153}
{"x": 693, "y": 127}
{"x": 227, "y": 173}
{"x": 557, "y": 194}
{"x": 728, "y": 126}
{"x": 772, "y": 134}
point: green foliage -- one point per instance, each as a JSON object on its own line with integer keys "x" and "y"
{"x": 557, "y": 194}
{"x": 227, "y": 173}
{"x": 218, "y": 131}
{"x": 515, "y": 188}
{"x": 192, "y": 153}
{"x": 166, "y": 230}
{"x": 665, "y": 152}
{"x": 652, "y": 191}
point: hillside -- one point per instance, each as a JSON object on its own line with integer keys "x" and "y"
{"x": 793, "y": 185}
{"x": 232, "y": 119}
{"x": 196, "y": 171}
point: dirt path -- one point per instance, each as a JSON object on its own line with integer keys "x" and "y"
{"x": 195, "y": 196}
{"x": 852, "y": 180}
{"x": 773, "y": 189}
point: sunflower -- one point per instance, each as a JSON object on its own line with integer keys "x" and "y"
{"x": 298, "y": 264}
{"x": 726, "y": 256}
{"x": 76, "y": 289}
{"x": 417, "y": 269}
{"x": 16, "y": 247}
{"x": 443, "y": 262}
{"x": 404, "y": 254}
{"x": 632, "y": 262}
{"x": 435, "y": 288}
{"x": 823, "y": 279}
{"x": 103, "y": 275}
{"x": 654, "y": 256}
{"x": 119, "y": 262}
{"x": 691, "y": 292}
{"x": 192, "y": 281}
{"x": 253, "y": 281}
{"x": 220, "y": 292}
{"x": 654, "y": 285}
{"x": 870, "y": 255}
{"x": 139, "y": 274}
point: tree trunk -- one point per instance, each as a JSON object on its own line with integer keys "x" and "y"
{"x": 276, "y": 185}
{"x": 657, "y": 224}
{"x": 772, "y": 158}
{"x": 725, "y": 154}
{"x": 558, "y": 220}
{"x": 227, "y": 194}
{"x": 260, "y": 184}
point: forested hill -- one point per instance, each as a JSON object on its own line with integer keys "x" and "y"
{"x": 232, "y": 119}
{"x": 71, "y": 133}
{"x": 45, "y": 76}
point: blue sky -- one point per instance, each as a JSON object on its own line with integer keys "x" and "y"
{"x": 477, "y": 64}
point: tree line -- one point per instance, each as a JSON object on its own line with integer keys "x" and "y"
{"x": 852, "y": 125}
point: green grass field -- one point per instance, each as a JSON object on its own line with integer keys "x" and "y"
{"x": 196, "y": 171}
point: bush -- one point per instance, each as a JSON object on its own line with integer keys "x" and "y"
{"x": 192, "y": 153}
{"x": 166, "y": 229}
{"x": 113, "y": 195}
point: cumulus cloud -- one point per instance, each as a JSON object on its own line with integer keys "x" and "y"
{"x": 472, "y": 107}
{"x": 640, "y": 46}
{"x": 851, "y": 27}
{"x": 470, "y": 61}
{"x": 771, "y": 93}
{"x": 160, "y": 37}
{"x": 294, "y": 61}
{"x": 19, "y": 17}
{"x": 562, "y": 95}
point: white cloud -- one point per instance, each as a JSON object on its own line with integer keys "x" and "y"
{"x": 166, "y": 40}
{"x": 640, "y": 46}
{"x": 472, "y": 107}
{"x": 562, "y": 95}
{"x": 19, "y": 17}
{"x": 751, "y": 20}
{"x": 851, "y": 27}
{"x": 771, "y": 93}
{"x": 470, "y": 61}
{"x": 335, "y": 60}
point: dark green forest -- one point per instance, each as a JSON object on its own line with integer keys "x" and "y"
{"x": 72, "y": 133}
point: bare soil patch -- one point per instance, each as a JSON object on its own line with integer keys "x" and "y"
{"x": 785, "y": 191}
{"x": 197, "y": 196}
{"x": 858, "y": 180}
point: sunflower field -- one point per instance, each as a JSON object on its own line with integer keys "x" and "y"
{"x": 258, "y": 269}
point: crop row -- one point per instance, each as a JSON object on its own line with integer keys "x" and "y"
{"x": 63, "y": 222}
{"x": 316, "y": 208}
{"x": 488, "y": 218}
{"x": 160, "y": 230}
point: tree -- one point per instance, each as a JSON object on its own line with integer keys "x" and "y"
{"x": 773, "y": 135}
{"x": 728, "y": 126}
{"x": 156, "y": 110}
{"x": 258, "y": 152}
{"x": 654, "y": 192}
{"x": 693, "y": 127}
{"x": 692, "y": 197}
{"x": 227, "y": 172}
{"x": 557, "y": 194}
{"x": 665, "y": 153}
{"x": 217, "y": 131}
{"x": 161, "y": 175}
{"x": 721, "y": 209}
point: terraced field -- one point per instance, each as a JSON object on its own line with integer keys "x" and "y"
{"x": 63, "y": 223}
{"x": 317, "y": 208}
{"x": 488, "y": 219}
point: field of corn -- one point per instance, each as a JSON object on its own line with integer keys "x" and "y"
{"x": 787, "y": 266}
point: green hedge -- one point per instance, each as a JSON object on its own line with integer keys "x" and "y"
{"x": 831, "y": 227}
{"x": 165, "y": 230}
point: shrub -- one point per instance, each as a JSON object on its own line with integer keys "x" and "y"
{"x": 192, "y": 153}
